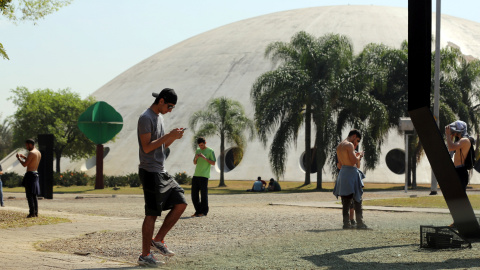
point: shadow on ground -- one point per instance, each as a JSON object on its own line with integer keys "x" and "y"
{"x": 335, "y": 260}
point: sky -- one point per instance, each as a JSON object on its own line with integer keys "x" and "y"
{"x": 88, "y": 43}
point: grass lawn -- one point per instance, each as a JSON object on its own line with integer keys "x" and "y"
{"x": 13, "y": 219}
{"x": 237, "y": 187}
{"x": 233, "y": 187}
{"x": 424, "y": 202}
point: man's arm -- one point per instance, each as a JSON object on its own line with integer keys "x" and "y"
{"x": 354, "y": 159}
{"x": 27, "y": 161}
{"x": 211, "y": 162}
{"x": 453, "y": 146}
{"x": 149, "y": 146}
{"x": 195, "y": 158}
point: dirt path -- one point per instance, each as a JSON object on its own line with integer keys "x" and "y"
{"x": 244, "y": 231}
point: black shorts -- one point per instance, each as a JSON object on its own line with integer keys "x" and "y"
{"x": 161, "y": 192}
{"x": 463, "y": 175}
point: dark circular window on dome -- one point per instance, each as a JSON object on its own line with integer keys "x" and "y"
{"x": 92, "y": 162}
{"x": 395, "y": 160}
{"x": 233, "y": 157}
{"x": 313, "y": 165}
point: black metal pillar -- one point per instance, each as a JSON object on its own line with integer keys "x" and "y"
{"x": 45, "y": 168}
{"x": 419, "y": 80}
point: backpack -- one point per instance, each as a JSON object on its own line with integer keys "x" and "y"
{"x": 470, "y": 159}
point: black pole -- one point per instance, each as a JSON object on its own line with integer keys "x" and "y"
{"x": 45, "y": 167}
{"x": 99, "y": 168}
{"x": 419, "y": 80}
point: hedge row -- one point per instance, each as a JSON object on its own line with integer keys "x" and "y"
{"x": 74, "y": 178}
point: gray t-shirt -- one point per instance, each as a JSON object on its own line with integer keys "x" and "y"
{"x": 150, "y": 122}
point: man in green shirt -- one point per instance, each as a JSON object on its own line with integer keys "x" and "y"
{"x": 204, "y": 158}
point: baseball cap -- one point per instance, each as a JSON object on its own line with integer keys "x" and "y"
{"x": 168, "y": 95}
{"x": 459, "y": 127}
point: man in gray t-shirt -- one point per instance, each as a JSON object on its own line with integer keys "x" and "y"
{"x": 161, "y": 191}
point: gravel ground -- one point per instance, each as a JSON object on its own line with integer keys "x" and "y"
{"x": 245, "y": 232}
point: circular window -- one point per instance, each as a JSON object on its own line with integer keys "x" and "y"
{"x": 395, "y": 160}
{"x": 233, "y": 157}
{"x": 92, "y": 162}
{"x": 313, "y": 164}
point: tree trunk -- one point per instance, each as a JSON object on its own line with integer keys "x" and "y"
{"x": 308, "y": 139}
{"x": 414, "y": 173}
{"x": 320, "y": 159}
{"x": 222, "y": 160}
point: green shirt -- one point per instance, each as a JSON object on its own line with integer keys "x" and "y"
{"x": 203, "y": 167}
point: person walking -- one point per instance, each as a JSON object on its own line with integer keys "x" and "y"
{"x": 30, "y": 179}
{"x": 204, "y": 159}
{"x": 161, "y": 191}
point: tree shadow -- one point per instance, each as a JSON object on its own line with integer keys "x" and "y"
{"x": 335, "y": 260}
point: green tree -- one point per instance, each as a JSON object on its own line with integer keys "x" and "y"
{"x": 302, "y": 90}
{"x": 374, "y": 96}
{"x": 225, "y": 118}
{"x": 28, "y": 10}
{"x": 48, "y": 112}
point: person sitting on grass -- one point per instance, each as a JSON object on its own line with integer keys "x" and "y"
{"x": 274, "y": 185}
{"x": 259, "y": 185}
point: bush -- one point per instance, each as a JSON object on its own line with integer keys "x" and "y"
{"x": 71, "y": 178}
{"x": 183, "y": 178}
{"x": 133, "y": 179}
{"x": 122, "y": 181}
{"x": 12, "y": 179}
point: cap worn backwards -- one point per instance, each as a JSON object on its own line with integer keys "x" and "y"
{"x": 459, "y": 127}
{"x": 168, "y": 95}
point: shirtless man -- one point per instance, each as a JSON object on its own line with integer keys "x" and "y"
{"x": 458, "y": 130}
{"x": 30, "y": 180}
{"x": 349, "y": 182}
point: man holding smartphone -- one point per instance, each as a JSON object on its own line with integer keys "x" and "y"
{"x": 161, "y": 191}
{"x": 204, "y": 159}
{"x": 349, "y": 182}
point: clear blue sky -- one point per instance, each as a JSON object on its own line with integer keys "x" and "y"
{"x": 87, "y": 44}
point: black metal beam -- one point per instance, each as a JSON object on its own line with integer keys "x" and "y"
{"x": 419, "y": 80}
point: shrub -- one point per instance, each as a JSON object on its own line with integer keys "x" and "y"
{"x": 12, "y": 179}
{"x": 133, "y": 179}
{"x": 71, "y": 178}
{"x": 183, "y": 178}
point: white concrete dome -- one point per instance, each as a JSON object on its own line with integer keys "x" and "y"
{"x": 225, "y": 62}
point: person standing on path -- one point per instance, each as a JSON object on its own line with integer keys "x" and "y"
{"x": 1, "y": 188}
{"x": 30, "y": 180}
{"x": 161, "y": 191}
{"x": 349, "y": 181}
{"x": 204, "y": 159}
{"x": 459, "y": 143}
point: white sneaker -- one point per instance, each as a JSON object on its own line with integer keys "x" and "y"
{"x": 149, "y": 261}
{"x": 162, "y": 248}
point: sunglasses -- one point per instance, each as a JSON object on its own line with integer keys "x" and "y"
{"x": 171, "y": 107}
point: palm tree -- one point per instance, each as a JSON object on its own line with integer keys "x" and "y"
{"x": 225, "y": 118}
{"x": 375, "y": 96}
{"x": 300, "y": 91}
